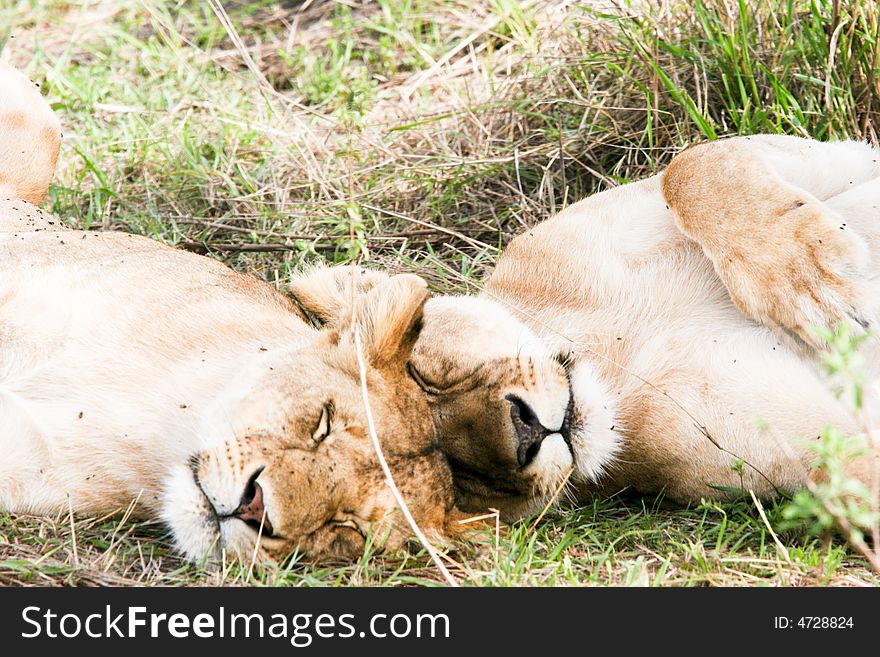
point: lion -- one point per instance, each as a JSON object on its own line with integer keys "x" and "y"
{"x": 656, "y": 337}
{"x": 136, "y": 375}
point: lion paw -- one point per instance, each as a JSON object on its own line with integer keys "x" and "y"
{"x": 807, "y": 273}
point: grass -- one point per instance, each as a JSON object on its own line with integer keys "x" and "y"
{"x": 617, "y": 541}
{"x": 423, "y": 135}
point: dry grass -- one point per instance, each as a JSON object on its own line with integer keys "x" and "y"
{"x": 439, "y": 130}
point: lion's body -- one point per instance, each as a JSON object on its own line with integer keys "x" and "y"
{"x": 656, "y": 336}
{"x": 101, "y": 334}
{"x": 131, "y": 371}
{"x": 613, "y": 280}
{"x": 135, "y": 374}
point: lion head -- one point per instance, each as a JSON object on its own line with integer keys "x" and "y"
{"x": 517, "y": 415}
{"x": 297, "y": 470}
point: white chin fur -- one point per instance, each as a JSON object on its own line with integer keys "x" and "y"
{"x": 188, "y": 514}
{"x": 553, "y": 462}
{"x": 594, "y": 442}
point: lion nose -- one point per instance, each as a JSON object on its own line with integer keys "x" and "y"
{"x": 251, "y": 509}
{"x": 530, "y": 433}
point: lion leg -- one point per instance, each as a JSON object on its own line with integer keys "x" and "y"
{"x": 763, "y": 210}
{"x": 30, "y": 138}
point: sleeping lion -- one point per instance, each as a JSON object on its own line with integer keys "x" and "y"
{"x": 131, "y": 371}
{"x": 628, "y": 342}
{"x": 656, "y": 336}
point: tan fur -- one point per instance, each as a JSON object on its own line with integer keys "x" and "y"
{"x": 130, "y": 371}
{"x": 27, "y": 159}
{"x": 680, "y": 306}
{"x": 806, "y": 268}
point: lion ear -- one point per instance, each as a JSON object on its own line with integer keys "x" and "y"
{"x": 390, "y": 317}
{"x": 327, "y": 293}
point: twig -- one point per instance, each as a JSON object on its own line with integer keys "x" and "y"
{"x": 426, "y": 234}
{"x": 204, "y": 247}
{"x": 256, "y": 547}
{"x": 493, "y": 513}
{"x": 448, "y": 231}
{"x": 73, "y": 533}
{"x": 389, "y": 478}
{"x": 108, "y": 559}
{"x": 779, "y": 546}
{"x": 418, "y": 232}
{"x": 832, "y": 46}
{"x": 551, "y": 500}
